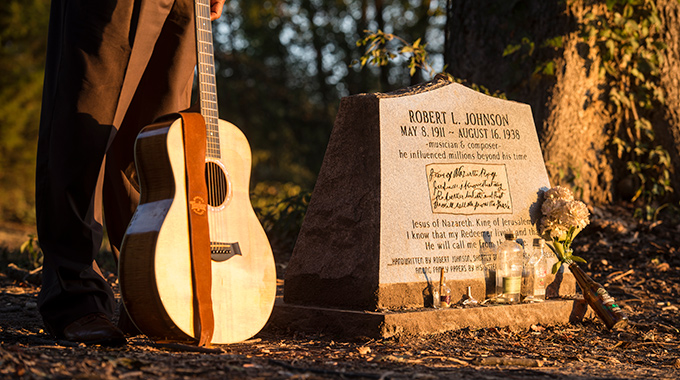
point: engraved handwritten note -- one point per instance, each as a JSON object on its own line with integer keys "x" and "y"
{"x": 468, "y": 189}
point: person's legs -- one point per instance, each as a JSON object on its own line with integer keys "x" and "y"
{"x": 87, "y": 55}
{"x": 95, "y": 60}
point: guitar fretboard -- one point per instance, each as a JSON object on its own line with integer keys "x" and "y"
{"x": 206, "y": 77}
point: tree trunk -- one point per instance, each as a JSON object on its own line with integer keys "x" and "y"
{"x": 669, "y": 120}
{"x": 574, "y": 135}
{"x": 555, "y": 70}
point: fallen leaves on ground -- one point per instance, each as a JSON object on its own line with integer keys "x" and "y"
{"x": 637, "y": 262}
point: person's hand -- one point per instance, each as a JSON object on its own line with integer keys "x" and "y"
{"x": 216, "y": 9}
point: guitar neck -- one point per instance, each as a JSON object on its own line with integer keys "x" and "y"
{"x": 206, "y": 76}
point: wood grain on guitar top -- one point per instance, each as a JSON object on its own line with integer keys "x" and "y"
{"x": 155, "y": 267}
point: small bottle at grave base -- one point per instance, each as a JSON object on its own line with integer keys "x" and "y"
{"x": 469, "y": 300}
{"x": 436, "y": 301}
{"x": 444, "y": 292}
{"x": 489, "y": 254}
{"x": 431, "y": 295}
{"x": 540, "y": 270}
{"x": 534, "y": 273}
{"x": 509, "y": 273}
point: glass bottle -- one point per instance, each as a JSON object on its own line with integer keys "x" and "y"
{"x": 431, "y": 295}
{"x": 534, "y": 273}
{"x": 540, "y": 270}
{"x": 469, "y": 299}
{"x": 599, "y": 299}
{"x": 509, "y": 273}
{"x": 489, "y": 255}
{"x": 444, "y": 292}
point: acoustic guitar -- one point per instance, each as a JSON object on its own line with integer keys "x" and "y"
{"x": 155, "y": 270}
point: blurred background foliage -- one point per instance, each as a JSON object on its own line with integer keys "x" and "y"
{"x": 23, "y": 40}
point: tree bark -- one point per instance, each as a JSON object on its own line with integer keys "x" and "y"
{"x": 668, "y": 121}
{"x": 574, "y": 135}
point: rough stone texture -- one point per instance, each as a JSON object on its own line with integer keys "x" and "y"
{"x": 340, "y": 247}
{"x": 352, "y": 323}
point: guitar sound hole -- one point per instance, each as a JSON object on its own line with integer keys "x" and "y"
{"x": 218, "y": 187}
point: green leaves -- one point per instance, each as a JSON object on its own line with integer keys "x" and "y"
{"x": 556, "y": 267}
{"x": 567, "y": 260}
{"x": 563, "y": 251}
{"x": 628, "y": 38}
{"x": 565, "y": 257}
{"x": 378, "y": 53}
{"x": 31, "y": 248}
{"x": 577, "y": 259}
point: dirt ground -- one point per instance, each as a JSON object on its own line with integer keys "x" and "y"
{"x": 639, "y": 263}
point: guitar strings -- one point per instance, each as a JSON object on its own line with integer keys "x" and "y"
{"x": 217, "y": 188}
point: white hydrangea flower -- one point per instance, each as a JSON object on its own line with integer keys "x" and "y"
{"x": 561, "y": 213}
{"x": 559, "y": 192}
{"x": 576, "y": 214}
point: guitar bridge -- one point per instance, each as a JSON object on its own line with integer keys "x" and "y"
{"x": 224, "y": 251}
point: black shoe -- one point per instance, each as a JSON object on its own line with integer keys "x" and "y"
{"x": 94, "y": 329}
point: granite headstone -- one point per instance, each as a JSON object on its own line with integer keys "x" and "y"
{"x": 415, "y": 182}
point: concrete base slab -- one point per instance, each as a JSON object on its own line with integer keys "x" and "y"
{"x": 353, "y": 323}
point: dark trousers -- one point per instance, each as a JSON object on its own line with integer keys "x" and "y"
{"x": 113, "y": 66}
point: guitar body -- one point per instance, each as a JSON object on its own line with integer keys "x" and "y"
{"x": 155, "y": 264}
